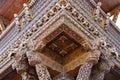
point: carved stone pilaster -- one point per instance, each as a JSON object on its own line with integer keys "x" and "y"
{"x": 42, "y": 72}
{"x": 84, "y": 72}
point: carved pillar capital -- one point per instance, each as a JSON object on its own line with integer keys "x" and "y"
{"x": 94, "y": 57}
{"x": 33, "y": 58}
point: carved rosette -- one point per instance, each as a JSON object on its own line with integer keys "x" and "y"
{"x": 84, "y": 72}
{"x": 42, "y": 72}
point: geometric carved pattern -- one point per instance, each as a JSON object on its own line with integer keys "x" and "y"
{"x": 42, "y": 72}
{"x": 63, "y": 45}
{"x": 63, "y": 40}
{"x": 84, "y": 72}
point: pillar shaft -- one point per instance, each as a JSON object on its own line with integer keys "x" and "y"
{"x": 42, "y": 72}
{"x": 84, "y": 72}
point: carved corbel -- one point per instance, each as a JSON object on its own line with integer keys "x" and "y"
{"x": 86, "y": 45}
{"x": 94, "y": 57}
{"x": 33, "y": 58}
{"x": 39, "y": 46}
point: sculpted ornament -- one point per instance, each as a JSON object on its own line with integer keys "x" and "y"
{"x": 28, "y": 14}
{"x": 97, "y": 11}
{"x": 42, "y": 72}
{"x": 84, "y": 71}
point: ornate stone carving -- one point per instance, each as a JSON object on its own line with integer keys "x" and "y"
{"x": 33, "y": 58}
{"x": 84, "y": 72}
{"x": 17, "y": 22}
{"x": 42, "y": 72}
{"x": 28, "y": 14}
{"x": 20, "y": 64}
{"x": 106, "y": 21}
{"x": 97, "y": 11}
{"x": 94, "y": 57}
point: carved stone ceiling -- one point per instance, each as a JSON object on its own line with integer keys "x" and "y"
{"x": 63, "y": 41}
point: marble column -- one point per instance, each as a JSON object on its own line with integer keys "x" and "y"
{"x": 84, "y": 72}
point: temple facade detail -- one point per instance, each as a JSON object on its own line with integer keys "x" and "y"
{"x": 61, "y": 40}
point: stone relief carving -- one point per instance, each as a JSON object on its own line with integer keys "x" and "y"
{"x": 100, "y": 45}
{"x": 42, "y": 72}
{"x": 28, "y": 13}
{"x": 84, "y": 71}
